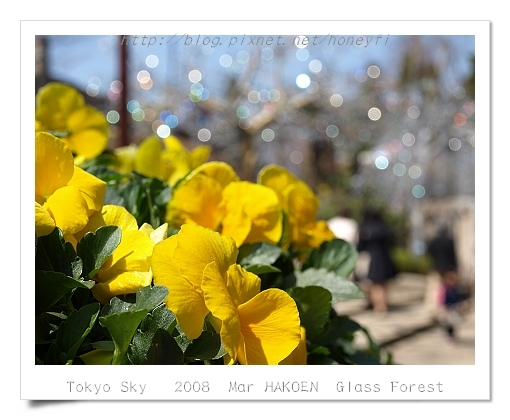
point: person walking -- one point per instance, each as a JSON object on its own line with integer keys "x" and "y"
{"x": 374, "y": 239}
{"x": 442, "y": 251}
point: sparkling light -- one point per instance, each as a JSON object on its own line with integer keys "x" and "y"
{"x": 381, "y": 162}
{"x": 413, "y": 112}
{"x": 138, "y": 114}
{"x": 399, "y": 169}
{"x": 315, "y": 66}
{"x": 459, "y": 119}
{"x": 243, "y": 112}
{"x": 268, "y": 135}
{"x": 302, "y": 54}
{"x": 418, "y": 191}
{"x": 92, "y": 90}
{"x": 116, "y": 86}
{"x": 374, "y": 114}
{"x": 163, "y": 131}
{"x": 194, "y": 76}
{"x": 373, "y": 72}
{"x": 152, "y": 61}
{"x": 274, "y": 95}
{"x": 132, "y": 106}
{"x": 360, "y": 75}
{"x": 143, "y": 76}
{"x": 414, "y": 172}
{"x": 204, "y": 135}
{"x": 242, "y": 57}
{"x": 296, "y": 157}
{"x": 408, "y": 139}
{"x": 226, "y": 60}
{"x": 332, "y": 131}
{"x": 303, "y": 81}
{"x": 336, "y": 100}
{"x": 253, "y": 97}
{"x": 455, "y": 144}
{"x": 113, "y": 117}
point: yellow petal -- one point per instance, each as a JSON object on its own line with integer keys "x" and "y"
{"x": 241, "y": 284}
{"x": 185, "y": 300}
{"x": 317, "y": 233}
{"x": 220, "y": 303}
{"x": 173, "y": 144}
{"x": 118, "y": 216}
{"x": 278, "y": 178}
{"x": 87, "y": 144}
{"x": 196, "y": 200}
{"x": 300, "y": 354}
{"x": 257, "y": 203}
{"x": 148, "y": 157}
{"x": 270, "y": 327}
{"x": 133, "y": 254}
{"x": 87, "y": 118}
{"x": 157, "y": 235}
{"x": 55, "y": 102}
{"x": 222, "y": 172}
{"x": 197, "y": 247}
{"x": 125, "y": 158}
{"x": 44, "y": 224}
{"x": 54, "y": 165}
{"x": 199, "y": 156}
{"x": 69, "y": 209}
{"x": 124, "y": 283}
{"x": 92, "y": 188}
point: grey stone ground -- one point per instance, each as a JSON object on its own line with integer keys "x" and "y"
{"x": 410, "y": 330}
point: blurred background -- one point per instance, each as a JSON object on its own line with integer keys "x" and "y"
{"x": 388, "y": 126}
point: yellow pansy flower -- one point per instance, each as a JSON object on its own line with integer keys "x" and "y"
{"x": 178, "y": 264}
{"x": 166, "y": 159}
{"x": 198, "y": 267}
{"x": 61, "y": 109}
{"x": 129, "y": 267}
{"x": 252, "y": 213}
{"x": 255, "y": 328}
{"x": 66, "y": 193}
{"x": 300, "y": 204}
{"x": 212, "y": 196}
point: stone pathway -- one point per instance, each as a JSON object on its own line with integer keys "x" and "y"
{"x": 409, "y": 330}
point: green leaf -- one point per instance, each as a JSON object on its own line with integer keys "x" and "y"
{"x": 207, "y": 346}
{"x": 160, "y": 317}
{"x": 339, "y": 328}
{"x": 336, "y": 255}
{"x": 260, "y": 254}
{"x": 51, "y": 286}
{"x": 314, "y": 306}
{"x": 95, "y": 249}
{"x": 73, "y": 331}
{"x": 164, "y": 350}
{"x": 53, "y": 253}
{"x": 122, "y": 318}
{"x": 340, "y": 288}
{"x": 258, "y": 258}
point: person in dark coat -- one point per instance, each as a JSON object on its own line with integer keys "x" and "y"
{"x": 374, "y": 238}
{"x": 442, "y": 251}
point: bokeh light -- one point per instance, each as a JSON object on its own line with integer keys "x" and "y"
{"x": 204, "y": 135}
{"x": 374, "y": 114}
{"x": 303, "y": 81}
